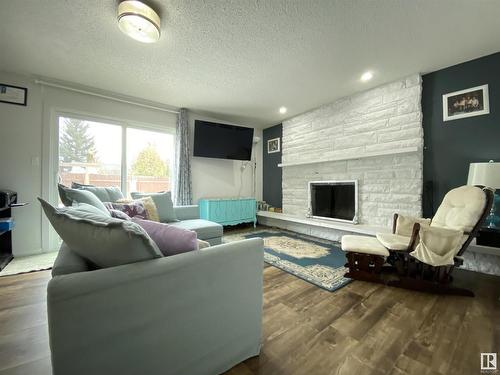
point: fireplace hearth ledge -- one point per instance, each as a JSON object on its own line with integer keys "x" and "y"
{"x": 369, "y": 230}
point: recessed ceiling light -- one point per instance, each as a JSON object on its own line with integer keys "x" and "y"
{"x": 366, "y": 76}
{"x": 283, "y": 110}
{"x": 139, "y": 21}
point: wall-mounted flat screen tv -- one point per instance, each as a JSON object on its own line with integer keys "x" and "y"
{"x": 221, "y": 141}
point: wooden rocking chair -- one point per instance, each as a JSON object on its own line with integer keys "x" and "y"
{"x": 422, "y": 253}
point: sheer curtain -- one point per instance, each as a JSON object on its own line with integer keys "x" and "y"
{"x": 182, "y": 186}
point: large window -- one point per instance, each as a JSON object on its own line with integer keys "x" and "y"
{"x": 91, "y": 153}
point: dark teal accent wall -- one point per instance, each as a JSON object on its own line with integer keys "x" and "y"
{"x": 452, "y": 145}
{"x": 272, "y": 174}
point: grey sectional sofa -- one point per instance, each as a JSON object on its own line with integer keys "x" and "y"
{"x": 189, "y": 218}
{"x": 193, "y": 313}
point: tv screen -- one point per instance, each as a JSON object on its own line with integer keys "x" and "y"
{"x": 214, "y": 140}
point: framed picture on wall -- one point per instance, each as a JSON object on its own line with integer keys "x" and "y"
{"x": 466, "y": 103}
{"x": 273, "y": 145}
{"x": 13, "y": 94}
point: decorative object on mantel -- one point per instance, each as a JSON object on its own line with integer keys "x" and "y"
{"x": 487, "y": 174}
{"x": 466, "y": 103}
{"x": 273, "y": 145}
{"x": 13, "y": 94}
{"x": 264, "y": 206}
{"x": 320, "y": 262}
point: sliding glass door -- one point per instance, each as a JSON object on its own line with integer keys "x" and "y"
{"x": 149, "y": 160}
{"x": 103, "y": 154}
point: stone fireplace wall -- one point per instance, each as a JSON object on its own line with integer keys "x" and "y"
{"x": 386, "y": 118}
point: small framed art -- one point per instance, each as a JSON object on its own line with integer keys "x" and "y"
{"x": 13, "y": 94}
{"x": 466, "y": 103}
{"x": 273, "y": 145}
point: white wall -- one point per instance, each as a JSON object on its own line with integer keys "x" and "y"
{"x": 383, "y": 119}
{"x": 222, "y": 178}
{"x": 25, "y": 149}
{"x": 20, "y": 141}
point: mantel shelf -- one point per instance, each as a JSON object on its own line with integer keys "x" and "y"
{"x": 405, "y": 150}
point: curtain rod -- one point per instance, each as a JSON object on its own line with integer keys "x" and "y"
{"x": 45, "y": 83}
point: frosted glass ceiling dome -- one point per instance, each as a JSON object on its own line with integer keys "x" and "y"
{"x": 139, "y": 21}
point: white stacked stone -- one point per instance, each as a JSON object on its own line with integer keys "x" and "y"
{"x": 386, "y": 118}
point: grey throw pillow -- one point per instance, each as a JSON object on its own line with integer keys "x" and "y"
{"x": 91, "y": 209}
{"x": 163, "y": 202}
{"x": 101, "y": 239}
{"x": 105, "y": 194}
{"x": 71, "y": 197}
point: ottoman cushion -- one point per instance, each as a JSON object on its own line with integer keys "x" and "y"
{"x": 363, "y": 244}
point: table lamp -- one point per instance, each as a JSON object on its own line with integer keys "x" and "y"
{"x": 487, "y": 174}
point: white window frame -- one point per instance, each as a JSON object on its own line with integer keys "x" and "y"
{"x": 50, "y": 239}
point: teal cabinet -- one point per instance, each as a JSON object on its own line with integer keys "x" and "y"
{"x": 227, "y": 211}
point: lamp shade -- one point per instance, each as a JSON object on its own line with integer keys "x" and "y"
{"x": 486, "y": 174}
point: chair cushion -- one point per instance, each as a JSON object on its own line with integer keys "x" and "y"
{"x": 105, "y": 194}
{"x": 393, "y": 241}
{"x": 101, "y": 239}
{"x": 362, "y": 244}
{"x": 204, "y": 229}
{"x": 404, "y": 224}
{"x": 163, "y": 202}
{"x": 461, "y": 209}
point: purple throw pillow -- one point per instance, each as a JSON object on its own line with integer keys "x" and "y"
{"x": 132, "y": 209}
{"x": 169, "y": 239}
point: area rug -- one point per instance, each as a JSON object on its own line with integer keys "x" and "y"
{"x": 30, "y": 263}
{"x": 317, "y": 261}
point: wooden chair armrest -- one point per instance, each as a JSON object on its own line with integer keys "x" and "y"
{"x": 394, "y": 223}
{"x": 414, "y": 237}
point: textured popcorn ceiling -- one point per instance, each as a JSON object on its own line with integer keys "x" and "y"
{"x": 244, "y": 59}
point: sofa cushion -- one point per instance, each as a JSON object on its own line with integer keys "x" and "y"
{"x": 105, "y": 194}
{"x": 68, "y": 261}
{"x": 69, "y": 197}
{"x": 163, "y": 202}
{"x": 170, "y": 240}
{"x": 204, "y": 229}
{"x": 91, "y": 209}
{"x": 101, "y": 239}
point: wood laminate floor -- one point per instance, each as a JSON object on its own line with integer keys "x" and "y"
{"x": 360, "y": 329}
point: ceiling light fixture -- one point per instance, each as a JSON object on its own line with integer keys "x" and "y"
{"x": 366, "y": 76}
{"x": 283, "y": 110}
{"x": 139, "y": 21}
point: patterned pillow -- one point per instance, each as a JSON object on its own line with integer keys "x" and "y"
{"x": 118, "y": 214}
{"x": 148, "y": 204}
{"x": 131, "y": 209}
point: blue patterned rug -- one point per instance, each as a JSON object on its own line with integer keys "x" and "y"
{"x": 317, "y": 261}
